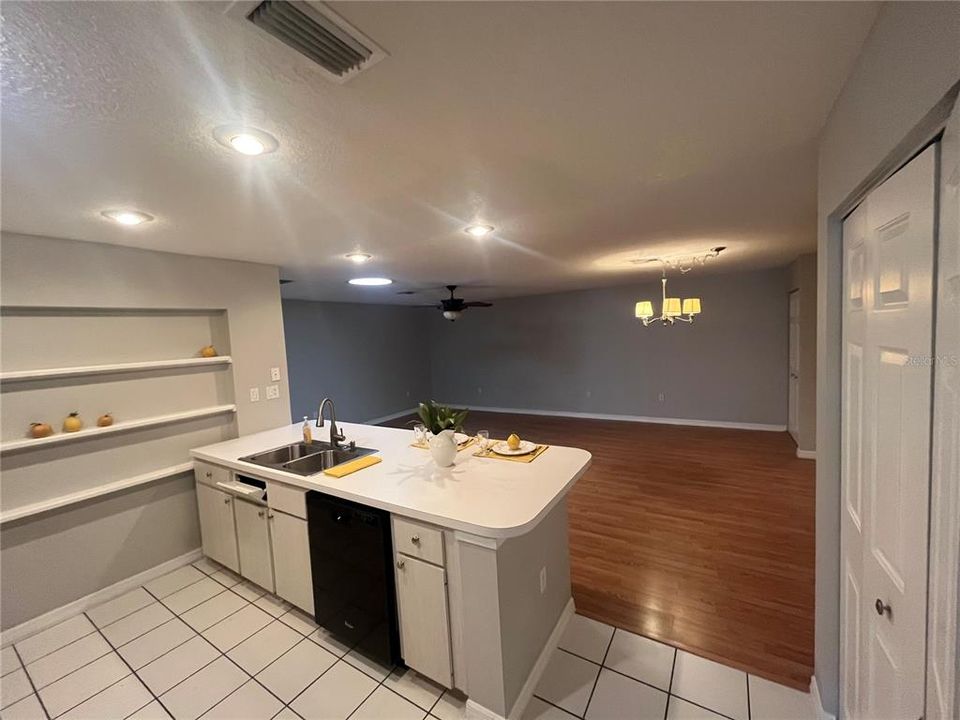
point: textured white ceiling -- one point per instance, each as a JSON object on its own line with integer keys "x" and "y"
{"x": 587, "y": 133}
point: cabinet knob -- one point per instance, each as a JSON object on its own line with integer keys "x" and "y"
{"x": 270, "y": 516}
{"x": 208, "y": 474}
{"x": 226, "y": 501}
{"x": 261, "y": 513}
{"x": 883, "y": 609}
{"x": 415, "y": 539}
{"x": 400, "y": 564}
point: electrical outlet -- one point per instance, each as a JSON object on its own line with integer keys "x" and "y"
{"x": 254, "y": 394}
{"x": 660, "y": 397}
{"x": 273, "y": 392}
{"x": 479, "y": 391}
{"x": 589, "y": 393}
{"x": 543, "y": 579}
{"x": 274, "y": 374}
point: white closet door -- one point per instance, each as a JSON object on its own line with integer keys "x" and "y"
{"x": 793, "y": 416}
{"x": 887, "y": 345}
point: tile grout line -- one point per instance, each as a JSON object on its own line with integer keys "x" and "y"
{"x": 37, "y": 688}
{"x": 40, "y": 657}
{"x": 673, "y": 669}
{"x": 613, "y": 670}
{"x": 596, "y": 680}
{"x": 749, "y": 711}
{"x": 30, "y": 680}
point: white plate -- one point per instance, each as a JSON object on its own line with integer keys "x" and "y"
{"x": 526, "y": 447}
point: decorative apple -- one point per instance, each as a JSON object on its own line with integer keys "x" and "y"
{"x": 40, "y": 430}
{"x": 105, "y": 420}
{"x": 72, "y": 423}
{"x": 208, "y": 351}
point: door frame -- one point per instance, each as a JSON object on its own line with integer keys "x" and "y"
{"x": 829, "y": 352}
{"x": 795, "y": 433}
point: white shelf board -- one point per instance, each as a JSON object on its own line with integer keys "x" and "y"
{"x": 95, "y": 432}
{"x": 81, "y": 496}
{"x": 111, "y": 368}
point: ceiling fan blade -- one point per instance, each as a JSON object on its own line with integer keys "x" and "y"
{"x": 478, "y": 303}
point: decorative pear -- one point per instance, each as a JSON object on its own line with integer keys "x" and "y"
{"x": 40, "y": 429}
{"x": 105, "y": 420}
{"x": 208, "y": 351}
{"x": 72, "y": 423}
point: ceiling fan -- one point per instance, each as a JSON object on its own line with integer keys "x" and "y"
{"x": 453, "y": 306}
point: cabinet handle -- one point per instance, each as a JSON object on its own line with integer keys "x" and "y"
{"x": 270, "y": 516}
{"x": 226, "y": 501}
{"x": 260, "y": 513}
{"x": 400, "y": 564}
{"x": 208, "y": 474}
{"x": 415, "y": 539}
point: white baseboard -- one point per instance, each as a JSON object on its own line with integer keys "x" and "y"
{"x": 818, "y": 712}
{"x": 627, "y": 418}
{"x": 391, "y": 416}
{"x": 58, "y": 615}
{"x": 806, "y": 454}
{"x": 479, "y": 712}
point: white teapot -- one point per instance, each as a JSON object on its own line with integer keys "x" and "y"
{"x": 443, "y": 448}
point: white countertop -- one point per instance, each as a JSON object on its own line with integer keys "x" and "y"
{"x": 483, "y": 496}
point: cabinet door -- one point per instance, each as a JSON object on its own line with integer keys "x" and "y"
{"x": 216, "y": 526}
{"x": 253, "y": 538}
{"x": 424, "y": 621}
{"x": 291, "y": 560}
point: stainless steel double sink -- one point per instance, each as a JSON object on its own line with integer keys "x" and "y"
{"x": 307, "y": 459}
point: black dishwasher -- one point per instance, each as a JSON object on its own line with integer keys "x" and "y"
{"x": 351, "y": 556}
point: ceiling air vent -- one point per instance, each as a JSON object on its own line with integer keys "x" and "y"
{"x": 314, "y": 30}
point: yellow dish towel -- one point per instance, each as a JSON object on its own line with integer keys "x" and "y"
{"x": 352, "y": 466}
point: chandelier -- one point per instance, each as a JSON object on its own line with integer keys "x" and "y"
{"x": 673, "y": 309}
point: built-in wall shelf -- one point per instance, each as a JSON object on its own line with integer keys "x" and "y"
{"x": 112, "y": 368}
{"x": 120, "y": 427}
{"x": 99, "y": 491}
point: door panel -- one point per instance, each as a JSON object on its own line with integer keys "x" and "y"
{"x": 291, "y": 560}
{"x": 887, "y": 342}
{"x": 216, "y": 526}
{"x": 253, "y": 539}
{"x": 424, "y": 620}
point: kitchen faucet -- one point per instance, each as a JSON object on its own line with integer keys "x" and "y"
{"x": 336, "y": 437}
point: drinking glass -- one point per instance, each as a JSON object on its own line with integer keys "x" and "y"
{"x": 420, "y": 434}
{"x": 483, "y": 439}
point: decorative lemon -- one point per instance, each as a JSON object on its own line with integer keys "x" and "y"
{"x": 208, "y": 351}
{"x": 513, "y": 442}
{"x": 72, "y": 423}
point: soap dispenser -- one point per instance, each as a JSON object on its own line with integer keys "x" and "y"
{"x": 307, "y": 432}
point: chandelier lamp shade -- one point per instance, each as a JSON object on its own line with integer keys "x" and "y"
{"x": 671, "y": 308}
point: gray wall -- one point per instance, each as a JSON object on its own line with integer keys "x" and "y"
{"x": 586, "y": 352}
{"x": 803, "y": 278}
{"x": 53, "y": 559}
{"x": 908, "y": 64}
{"x": 373, "y": 360}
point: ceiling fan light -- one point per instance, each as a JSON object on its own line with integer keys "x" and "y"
{"x": 644, "y": 310}
{"x": 691, "y": 306}
{"x": 671, "y": 307}
{"x": 451, "y": 315}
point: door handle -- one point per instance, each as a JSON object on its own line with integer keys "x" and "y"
{"x": 883, "y": 609}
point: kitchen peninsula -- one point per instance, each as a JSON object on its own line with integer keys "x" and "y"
{"x": 479, "y": 554}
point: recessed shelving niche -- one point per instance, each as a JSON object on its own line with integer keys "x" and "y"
{"x": 142, "y": 365}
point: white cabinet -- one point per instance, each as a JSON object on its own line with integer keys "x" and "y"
{"x": 253, "y": 540}
{"x": 424, "y": 620}
{"x": 291, "y": 560}
{"x": 216, "y": 525}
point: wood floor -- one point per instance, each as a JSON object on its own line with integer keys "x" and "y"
{"x": 702, "y": 538}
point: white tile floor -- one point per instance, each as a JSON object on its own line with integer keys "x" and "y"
{"x": 202, "y": 643}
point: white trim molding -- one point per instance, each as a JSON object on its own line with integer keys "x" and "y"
{"x": 58, "y": 615}
{"x": 391, "y": 416}
{"x": 806, "y": 454}
{"x": 818, "y": 712}
{"x": 627, "y": 418}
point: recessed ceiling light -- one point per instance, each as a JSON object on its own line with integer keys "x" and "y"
{"x": 358, "y": 257}
{"x": 478, "y": 231}
{"x": 245, "y": 140}
{"x": 127, "y": 217}
{"x": 371, "y": 281}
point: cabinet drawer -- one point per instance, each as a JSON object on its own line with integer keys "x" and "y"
{"x": 208, "y": 474}
{"x": 418, "y": 540}
{"x": 287, "y": 499}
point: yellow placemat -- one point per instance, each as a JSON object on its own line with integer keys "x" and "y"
{"x": 352, "y": 466}
{"x": 466, "y": 443}
{"x": 528, "y": 458}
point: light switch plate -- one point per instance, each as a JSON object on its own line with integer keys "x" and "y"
{"x": 273, "y": 392}
{"x": 254, "y": 394}
{"x": 275, "y": 374}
